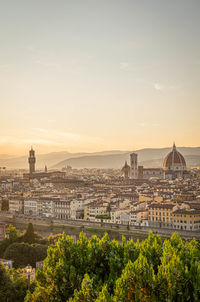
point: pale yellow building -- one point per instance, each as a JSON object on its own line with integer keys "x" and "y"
{"x": 186, "y": 219}
{"x": 160, "y": 215}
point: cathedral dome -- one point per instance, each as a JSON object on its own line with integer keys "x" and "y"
{"x": 174, "y": 159}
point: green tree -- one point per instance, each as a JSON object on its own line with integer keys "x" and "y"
{"x": 102, "y": 270}
{"x": 151, "y": 248}
{"x": 12, "y": 236}
{"x": 171, "y": 281}
{"x": 5, "y": 205}
{"x": 13, "y": 285}
{"x": 5, "y": 283}
{"x": 137, "y": 282}
{"x": 108, "y": 209}
{"x": 29, "y": 235}
{"x": 23, "y": 254}
{"x": 104, "y": 295}
{"x": 12, "y": 233}
{"x": 86, "y": 292}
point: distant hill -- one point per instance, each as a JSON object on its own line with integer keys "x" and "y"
{"x": 149, "y": 157}
{"x": 49, "y": 159}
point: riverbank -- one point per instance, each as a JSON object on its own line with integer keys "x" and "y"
{"x": 47, "y": 226}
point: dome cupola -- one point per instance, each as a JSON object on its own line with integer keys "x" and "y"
{"x": 174, "y": 160}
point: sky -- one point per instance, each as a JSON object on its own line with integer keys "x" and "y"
{"x": 99, "y": 75}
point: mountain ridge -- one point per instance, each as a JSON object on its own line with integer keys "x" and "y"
{"x": 149, "y": 157}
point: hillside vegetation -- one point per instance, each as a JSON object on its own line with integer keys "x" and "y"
{"x": 102, "y": 270}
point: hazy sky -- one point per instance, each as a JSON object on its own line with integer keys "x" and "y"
{"x": 93, "y": 75}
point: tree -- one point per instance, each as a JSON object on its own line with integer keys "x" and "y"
{"x": 13, "y": 285}
{"x": 23, "y": 254}
{"x": 12, "y": 233}
{"x": 171, "y": 283}
{"x": 137, "y": 282}
{"x": 12, "y": 236}
{"x": 29, "y": 236}
{"x": 108, "y": 209}
{"x": 104, "y": 295}
{"x": 86, "y": 292}
{"x": 102, "y": 270}
{"x": 5, "y": 205}
{"x": 151, "y": 248}
{"x": 5, "y": 283}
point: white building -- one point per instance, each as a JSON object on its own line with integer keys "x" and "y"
{"x": 61, "y": 209}
{"x": 30, "y": 207}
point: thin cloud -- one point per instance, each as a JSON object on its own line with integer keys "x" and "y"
{"x": 64, "y": 137}
{"x": 47, "y": 63}
{"x": 161, "y": 87}
{"x": 125, "y": 66}
{"x": 158, "y": 86}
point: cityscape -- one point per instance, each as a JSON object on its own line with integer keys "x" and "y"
{"x": 160, "y": 199}
{"x": 100, "y": 151}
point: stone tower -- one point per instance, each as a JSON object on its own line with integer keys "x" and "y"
{"x": 31, "y": 161}
{"x": 134, "y": 167}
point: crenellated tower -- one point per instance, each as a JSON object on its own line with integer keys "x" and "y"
{"x": 31, "y": 161}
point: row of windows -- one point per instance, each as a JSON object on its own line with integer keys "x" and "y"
{"x": 184, "y": 227}
{"x": 158, "y": 209}
{"x": 170, "y": 214}
{"x": 186, "y": 216}
{"x": 63, "y": 211}
{"x": 191, "y": 222}
{"x": 159, "y": 219}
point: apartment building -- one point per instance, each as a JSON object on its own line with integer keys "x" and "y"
{"x": 160, "y": 215}
{"x": 94, "y": 209}
{"x": 179, "y": 217}
{"x": 186, "y": 219}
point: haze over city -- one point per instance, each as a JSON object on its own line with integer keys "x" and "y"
{"x": 85, "y": 76}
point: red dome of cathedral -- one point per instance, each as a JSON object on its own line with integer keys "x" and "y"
{"x": 174, "y": 159}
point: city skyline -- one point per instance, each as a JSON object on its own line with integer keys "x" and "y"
{"x": 92, "y": 76}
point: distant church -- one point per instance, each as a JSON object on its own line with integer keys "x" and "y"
{"x": 174, "y": 167}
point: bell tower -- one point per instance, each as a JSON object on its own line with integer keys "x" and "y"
{"x": 134, "y": 166}
{"x": 31, "y": 161}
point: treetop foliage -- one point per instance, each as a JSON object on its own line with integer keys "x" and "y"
{"x": 13, "y": 285}
{"x": 104, "y": 270}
